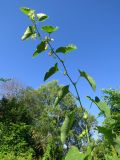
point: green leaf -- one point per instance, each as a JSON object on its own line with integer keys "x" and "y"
{"x": 66, "y": 49}
{"x": 64, "y": 129}
{"x": 40, "y": 48}
{"x": 29, "y": 12}
{"x": 42, "y": 17}
{"x": 49, "y": 29}
{"x": 90, "y": 80}
{"x": 67, "y": 125}
{"x": 51, "y": 71}
{"x": 74, "y": 154}
{"x": 28, "y": 33}
{"x": 101, "y": 105}
{"x": 26, "y": 10}
{"x": 62, "y": 93}
{"x": 107, "y": 133}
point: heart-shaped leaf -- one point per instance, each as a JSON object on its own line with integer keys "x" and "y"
{"x": 26, "y": 10}
{"x": 40, "y": 48}
{"x": 42, "y": 17}
{"x": 29, "y": 12}
{"x": 28, "y": 33}
{"x": 62, "y": 93}
{"x": 101, "y": 105}
{"x": 51, "y": 71}
{"x": 66, "y": 49}
{"x": 90, "y": 80}
{"x": 49, "y": 29}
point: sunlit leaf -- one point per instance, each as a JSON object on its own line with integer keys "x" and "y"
{"x": 62, "y": 93}
{"x": 90, "y": 80}
{"x": 49, "y": 29}
{"x": 101, "y": 105}
{"x": 64, "y": 129}
{"x": 67, "y": 125}
{"x": 28, "y": 33}
{"x": 66, "y": 49}
{"x": 42, "y": 17}
{"x": 40, "y": 48}
{"x": 74, "y": 154}
{"x": 51, "y": 71}
{"x": 29, "y": 12}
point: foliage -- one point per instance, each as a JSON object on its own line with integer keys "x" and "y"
{"x": 60, "y": 114}
{"x": 30, "y": 122}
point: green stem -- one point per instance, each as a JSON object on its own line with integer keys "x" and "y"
{"x": 87, "y": 134}
{"x": 65, "y": 68}
{"x": 63, "y": 64}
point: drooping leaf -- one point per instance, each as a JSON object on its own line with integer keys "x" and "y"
{"x": 49, "y": 29}
{"x": 61, "y": 94}
{"x": 90, "y": 80}
{"x": 28, "y": 33}
{"x": 51, "y": 71}
{"x": 64, "y": 129}
{"x": 29, "y": 12}
{"x": 67, "y": 125}
{"x": 40, "y": 48}
{"x": 101, "y": 105}
{"x": 42, "y": 17}
{"x": 66, "y": 49}
{"x": 74, "y": 154}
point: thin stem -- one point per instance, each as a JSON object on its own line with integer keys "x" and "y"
{"x": 63, "y": 64}
{"x": 87, "y": 134}
{"x": 65, "y": 68}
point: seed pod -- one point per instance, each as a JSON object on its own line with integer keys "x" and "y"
{"x": 85, "y": 116}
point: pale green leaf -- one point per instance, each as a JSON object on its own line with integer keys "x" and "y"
{"x": 74, "y": 154}
{"x": 49, "y": 29}
{"x": 64, "y": 129}
{"x": 42, "y": 17}
{"x": 29, "y": 12}
{"x": 101, "y": 105}
{"x": 30, "y": 31}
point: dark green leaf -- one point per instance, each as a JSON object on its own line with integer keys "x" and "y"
{"x": 40, "y": 48}
{"x": 90, "y": 80}
{"x": 28, "y": 33}
{"x": 51, "y": 71}
{"x": 62, "y": 93}
{"x": 42, "y": 17}
{"x": 49, "y": 29}
{"x": 101, "y": 105}
{"x": 107, "y": 132}
{"x": 66, "y": 49}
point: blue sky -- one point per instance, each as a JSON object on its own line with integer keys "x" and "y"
{"x": 93, "y": 25}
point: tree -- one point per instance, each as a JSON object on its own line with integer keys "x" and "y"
{"x": 35, "y": 123}
{"x": 50, "y": 118}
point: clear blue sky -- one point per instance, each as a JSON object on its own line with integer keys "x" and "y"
{"x": 93, "y": 25}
